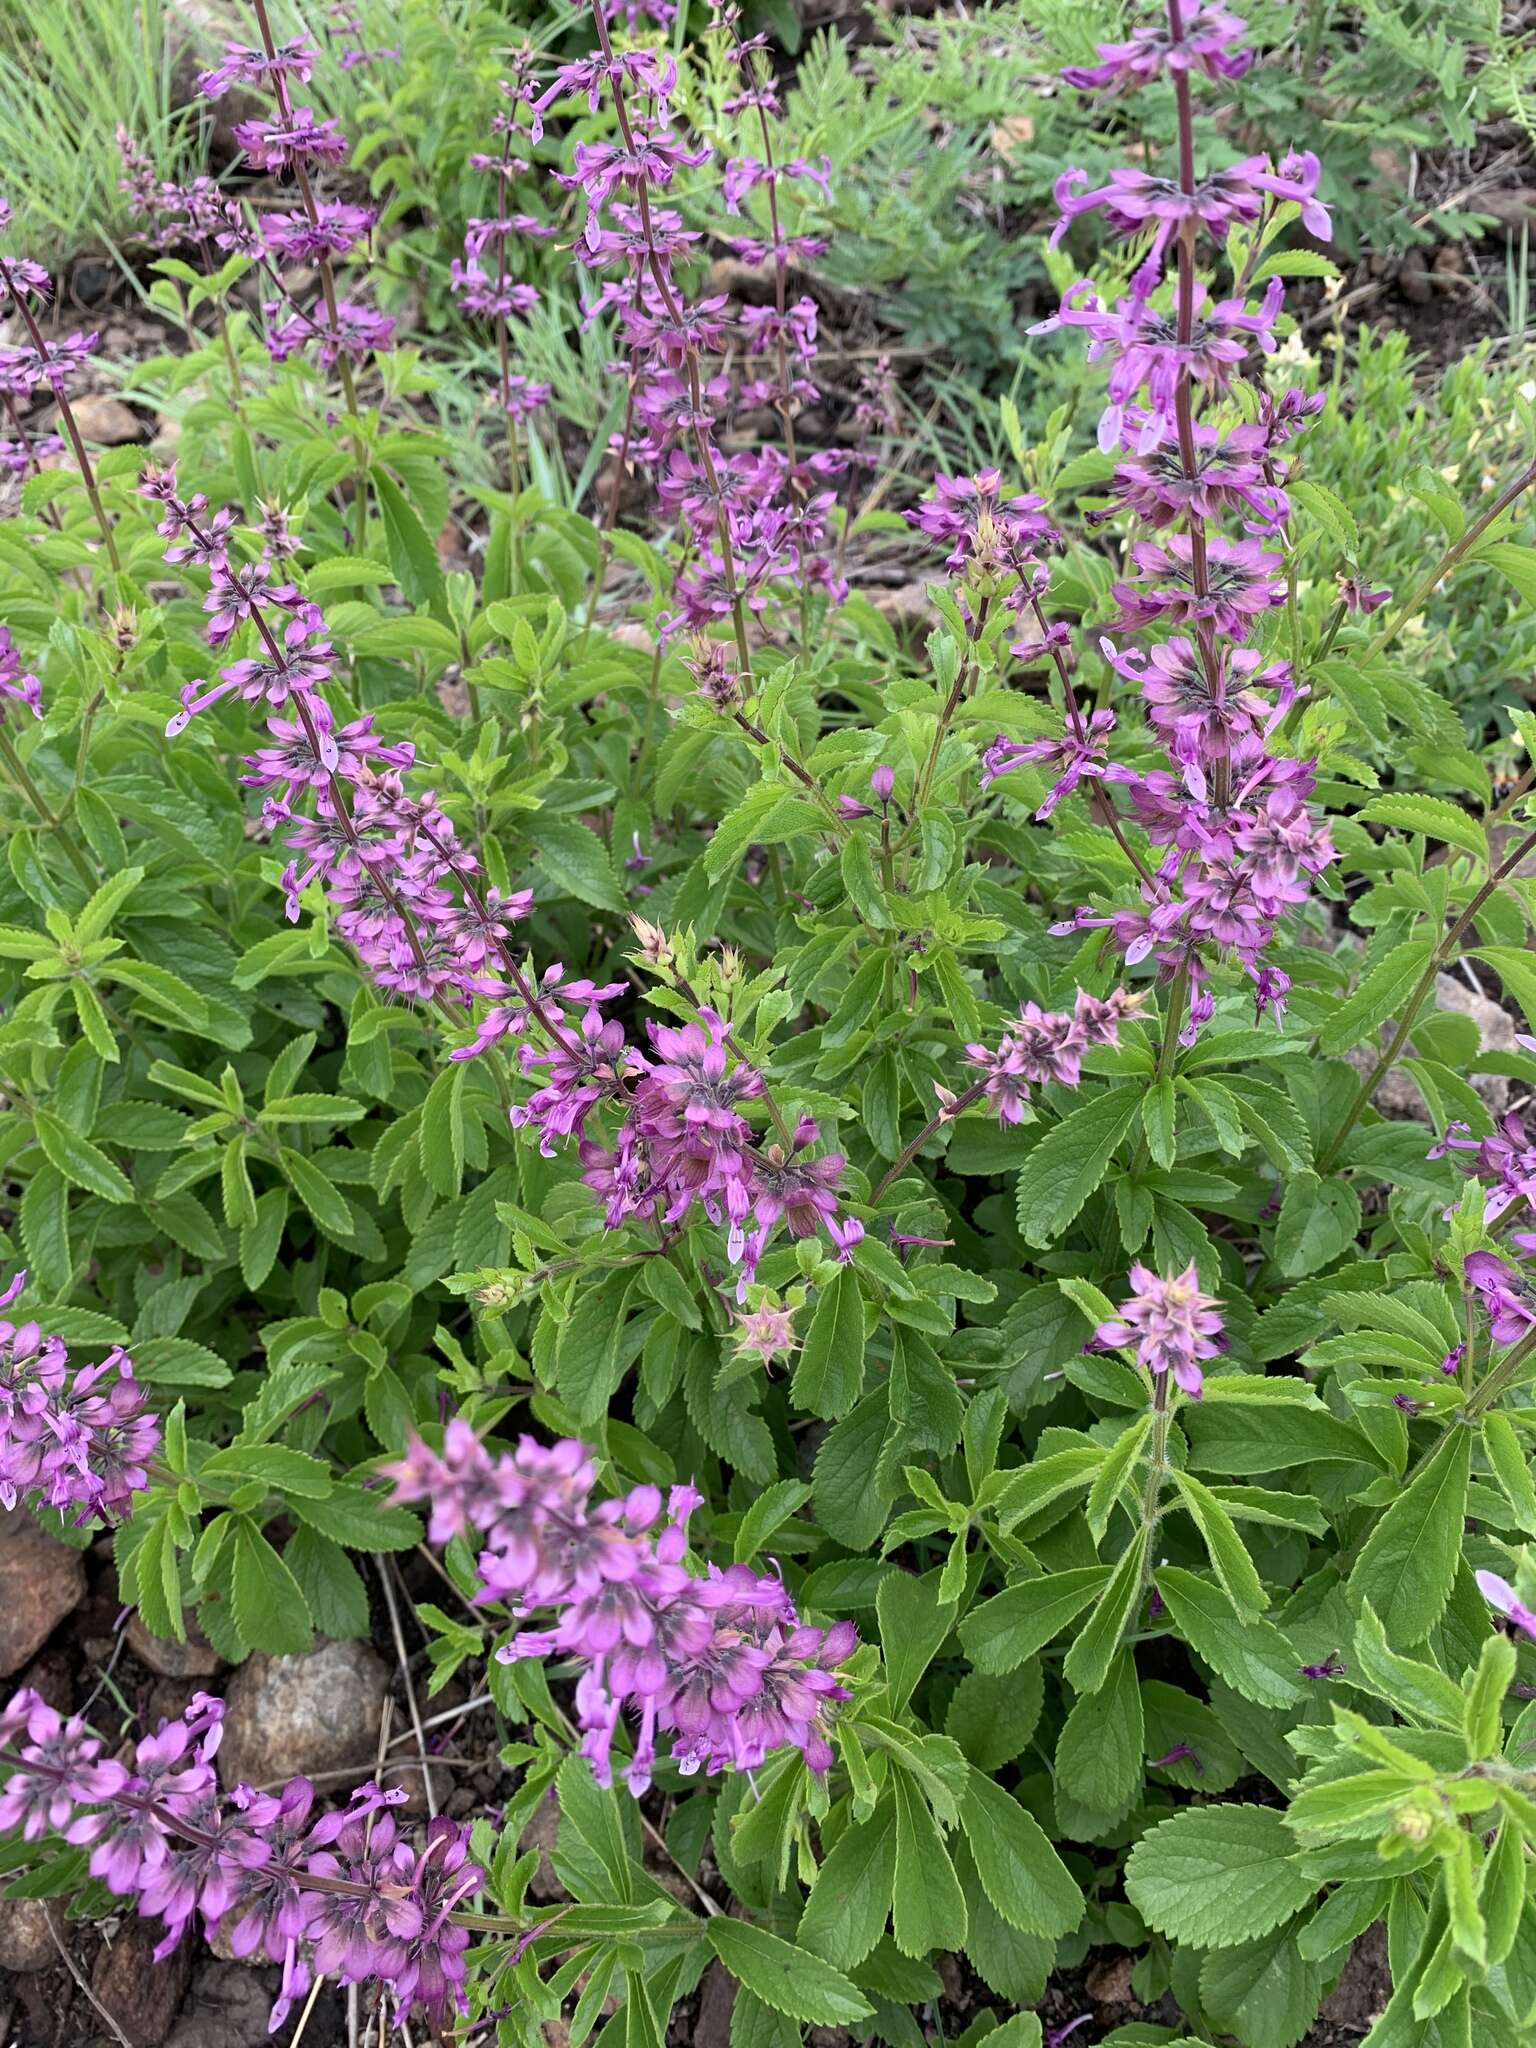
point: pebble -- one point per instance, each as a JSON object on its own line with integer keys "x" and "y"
{"x": 195, "y": 1658}
{"x": 41, "y": 1580}
{"x": 25, "y": 1942}
{"x": 312, "y": 1714}
{"x": 141, "y": 1994}
{"x": 107, "y": 421}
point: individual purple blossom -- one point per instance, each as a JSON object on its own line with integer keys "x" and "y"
{"x": 1171, "y": 1323}
{"x": 1048, "y": 1045}
{"x": 1505, "y": 1161}
{"x": 242, "y": 66}
{"x": 1508, "y": 1299}
{"x": 17, "y": 683}
{"x": 70, "y": 1436}
{"x": 1205, "y": 44}
{"x": 297, "y": 140}
{"x": 1076, "y": 754}
{"x": 1501, "y": 1596}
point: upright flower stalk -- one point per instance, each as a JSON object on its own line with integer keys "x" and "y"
{"x": 1239, "y": 843}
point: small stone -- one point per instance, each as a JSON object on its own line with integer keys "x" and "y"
{"x": 41, "y": 1580}
{"x": 107, "y": 421}
{"x": 229, "y": 2005}
{"x": 738, "y": 280}
{"x": 1413, "y": 280}
{"x": 26, "y": 1945}
{"x": 1109, "y": 1982}
{"x": 286, "y": 1716}
{"x": 195, "y": 1658}
{"x": 141, "y": 1994}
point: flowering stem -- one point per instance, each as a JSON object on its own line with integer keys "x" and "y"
{"x": 46, "y": 817}
{"x": 1411, "y": 1008}
{"x": 87, "y": 474}
{"x": 691, "y": 354}
{"x": 935, "y": 1123}
{"x": 327, "y": 278}
{"x": 1157, "y": 1472}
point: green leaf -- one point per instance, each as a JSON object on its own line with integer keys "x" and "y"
{"x": 358, "y": 1517}
{"x": 331, "y": 1586}
{"x": 1319, "y": 1221}
{"x": 576, "y": 861}
{"x": 412, "y": 552}
{"x": 282, "y": 1468}
{"x": 1035, "y": 1486}
{"x": 830, "y": 1376}
{"x": 1415, "y": 1691}
{"x": 1380, "y": 995}
{"x": 1517, "y": 971}
{"x": 998, "y": 1635}
{"x": 330, "y": 1209}
{"x": 913, "y": 1624}
{"x": 1021, "y": 1874}
{"x": 1224, "y": 1546}
{"x": 1248, "y": 1652}
{"x": 1408, "y": 1565}
{"x": 81, "y": 1162}
{"x": 1435, "y": 816}
{"x": 1264, "y": 1993}
{"x": 1100, "y": 1754}
{"x": 1483, "y": 1722}
{"x": 929, "y": 1907}
{"x": 1511, "y": 1468}
{"x": 789, "y": 1979}
{"x": 1215, "y": 1876}
{"x": 1089, "y": 1661}
{"x": 1071, "y": 1160}
{"x": 267, "y": 1602}
{"x": 441, "y": 1133}
{"x": 846, "y": 1912}
{"x": 770, "y": 1511}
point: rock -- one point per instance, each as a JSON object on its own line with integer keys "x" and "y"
{"x": 311, "y": 1714}
{"x": 41, "y": 1580}
{"x": 1364, "y": 1986}
{"x": 26, "y": 1945}
{"x": 228, "y": 2005}
{"x": 1109, "y": 1982}
{"x": 107, "y": 421}
{"x": 1413, "y": 280}
{"x": 738, "y": 280}
{"x": 141, "y": 1994}
{"x": 1398, "y": 1097}
{"x": 1512, "y": 206}
{"x": 195, "y": 1658}
{"x": 406, "y": 1775}
{"x": 906, "y": 606}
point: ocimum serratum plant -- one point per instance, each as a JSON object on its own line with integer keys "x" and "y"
{"x": 820, "y": 1217}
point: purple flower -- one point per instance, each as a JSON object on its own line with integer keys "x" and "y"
{"x": 1500, "y": 1595}
{"x": 1509, "y": 1301}
{"x": 1171, "y": 1323}
{"x": 1205, "y": 44}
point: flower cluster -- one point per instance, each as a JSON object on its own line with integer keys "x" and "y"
{"x": 722, "y": 1662}
{"x": 680, "y": 1135}
{"x": 757, "y": 521}
{"x": 342, "y": 1895}
{"x": 1048, "y": 1045}
{"x": 491, "y": 293}
{"x": 1171, "y": 1323}
{"x": 71, "y": 1436}
{"x": 293, "y": 142}
{"x": 34, "y": 369}
{"x": 1236, "y": 844}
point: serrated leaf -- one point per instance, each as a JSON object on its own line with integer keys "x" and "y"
{"x": 789, "y": 1979}
{"x": 768, "y": 1512}
{"x": 1248, "y": 1652}
{"x": 268, "y": 1605}
{"x": 830, "y": 1375}
{"x": 1071, "y": 1161}
{"x": 999, "y": 1634}
{"x": 929, "y": 1907}
{"x": 846, "y": 1912}
{"x": 1215, "y": 1876}
{"x": 1435, "y": 816}
{"x": 576, "y": 861}
{"x": 79, "y": 1161}
{"x": 1409, "y": 1562}
{"x": 1380, "y": 996}
{"x": 1021, "y": 1874}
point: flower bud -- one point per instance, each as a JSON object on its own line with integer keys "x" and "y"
{"x": 882, "y": 781}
